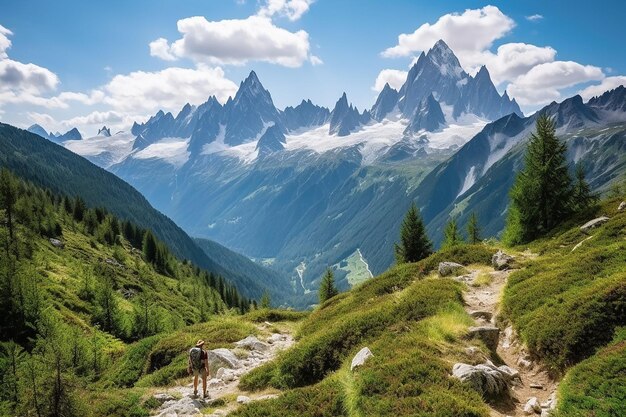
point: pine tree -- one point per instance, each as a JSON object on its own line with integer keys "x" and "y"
{"x": 327, "y": 286}
{"x": 582, "y": 196}
{"x": 265, "y": 300}
{"x": 149, "y": 245}
{"x": 473, "y": 230}
{"x": 541, "y": 196}
{"x": 8, "y": 198}
{"x": 414, "y": 243}
{"x": 451, "y": 236}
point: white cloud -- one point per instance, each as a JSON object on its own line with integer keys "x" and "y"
{"x": 235, "y": 41}
{"x": 609, "y": 83}
{"x": 534, "y": 17}
{"x": 315, "y": 60}
{"x": 395, "y": 78}
{"x": 291, "y": 9}
{"x": 161, "y": 49}
{"x": 167, "y": 89}
{"x": 514, "y": 59}
{"x": 5, "y": 42}
{"x": 542, "y": 83}
{"x": 17, "y": 76}
{"x": 466, "y": 33}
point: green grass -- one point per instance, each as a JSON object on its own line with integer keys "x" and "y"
{"x": 597, "y": 386}
{"x": 275, "y": 315}
{"x": 567, "y": 304}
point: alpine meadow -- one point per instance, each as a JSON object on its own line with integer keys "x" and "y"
{"x": 308, "y": 208}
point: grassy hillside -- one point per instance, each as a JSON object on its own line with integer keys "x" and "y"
{"x": 53, "y": 167}
{"x": 412, "y": 323}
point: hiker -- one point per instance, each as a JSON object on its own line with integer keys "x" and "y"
{"x": 198, "y": 364}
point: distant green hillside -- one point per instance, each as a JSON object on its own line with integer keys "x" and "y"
{"x": 51, "y": 166}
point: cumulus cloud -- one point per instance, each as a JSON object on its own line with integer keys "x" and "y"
{"x": 468, "y": 32}
{"x": 514, "y": 59}
{"x": 315, "y": 60}
{"x": 5, "y": 42}
{"x": 534, "y": 17}
{"x": 395, "y": 78}
{"x": 161, "y": 49}
{"x": 170, "y": 88}
{"x": 609, "y": 83}
{"x": 235, "y": 41}
{"x": 542, "y": 83}
{"x": 291, "y": 9}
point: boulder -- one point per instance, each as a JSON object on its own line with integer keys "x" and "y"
{"x": 252, "y": 343}
{"x": 489, "y": 335}
{"x": 242, "y": 399}
{"x": 222, "y": 358}
{"x": 532, "y": 406}
{"x": 449, "y": 268}
{"x": 163, "y": 397}
{"x": 622, "y": 206}
{"x": 592, "y": 224}
{"x": 57, "y": 243}
{"x": 487, "y": 379}
{"x": 481, "y": 315}
{"x": 360, "y": 358}
{"x": 501, "y": 261}
{"x": 186, "y": 406}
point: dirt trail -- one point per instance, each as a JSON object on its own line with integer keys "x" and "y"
{"x": 225, "y": 395}
{"x": 484, "y": 292}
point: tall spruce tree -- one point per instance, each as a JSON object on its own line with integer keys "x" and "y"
{"x": 473, "y": 229}
{"x": 541, "y": 196}
{"x": 451, "y": 236}
{"x": 414, "y": 243}
{"x": 327, "y": 286}
{"x": 582, "y": 196}
{"x": 266, "y": 302}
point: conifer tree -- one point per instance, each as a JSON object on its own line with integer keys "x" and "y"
{"x": 451, "y": 236}
{"x": 414, "y": 243}
{"x": 8, "y": 198}
{"x": 327, "y": 286}
{"x": 582, "y": 196}
{"x": 473, "y": 229}
{"x": 265, "y": 300}
{"x": 542, "y": 193}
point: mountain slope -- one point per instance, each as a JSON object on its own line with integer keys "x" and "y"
{"x": 51, "y": 166}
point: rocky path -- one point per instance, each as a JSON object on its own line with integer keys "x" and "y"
{"x": 533, "y": 393}
{"x": 225, "y": 395}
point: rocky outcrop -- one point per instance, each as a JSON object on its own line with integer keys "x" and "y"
{"x": 622, "y": 206}
{"x": 487, "y": 379}
{"x": 222, "y": 358}
{"x": 360, "y": 358}
{"x": 489, "y": 335}
{"x": 450, "y": 268}
{"x": 532, "y": 406}
{"x": 592, "y": 224}
{"x": 252, "y": 343}
{"x": 501, "y": 261}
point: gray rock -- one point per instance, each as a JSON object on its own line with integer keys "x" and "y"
{"x": 532, "y": 406}
{"x": 360, "y": 358}
{"x": 592, "y": 224}
{"x": 482, "y": 315}
{"x": 449, "y": 268}
{"x": 524, "y": 363}
{"x": 163, "y": 397}
{"x": 489, "y": 335}
{"x": 242, "y": 399}
{"x": 185, "y": 407}
{"x": 501, "y": 261}
{"x": 222, "y": 358}
{"x": 57, "y": 243}
{"x": 252, "y": 343}
{"x": 487, "y": 379}
{"x": 622, "y": 206}
{"x": 536, "y": 386}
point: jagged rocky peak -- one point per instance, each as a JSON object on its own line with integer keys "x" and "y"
{"x": 305, "y": 114}
{"x": 385, "y": 103}
{"x": 445, "y": 60}
{"x": 429, "y": 117}
{"x": 105, "y": 131}
{"x": 38, "y": 130}
{"x": 571, "y": 113}
{"x": 273, "y": 140}
{"x": 613, "y": 100}
{"x": 344, "y": 118}
{"x": 72, "y": 134}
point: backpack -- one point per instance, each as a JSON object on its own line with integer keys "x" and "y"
{"x": 195, "y": 355}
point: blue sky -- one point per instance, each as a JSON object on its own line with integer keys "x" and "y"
{"x": 91, "y": 63}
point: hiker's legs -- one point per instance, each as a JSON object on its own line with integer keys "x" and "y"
{"x": 195, "y": 383}
{"x": 204, "y": 376}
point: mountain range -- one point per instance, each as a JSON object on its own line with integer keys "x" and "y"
{"x": 309, "y": 187}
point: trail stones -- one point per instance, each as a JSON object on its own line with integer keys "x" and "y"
{"x": 481, "y": 315}
{"x": 532, "y": 406}
{"x": 163, "y": 397}
{"x": 489, "y": 335}
{"x": 242, "y": 399}
{"x": 501, "y": 261}
{"x": 252, "y": 343}
{"x": 622, "y": 206}
{"x": 592, "y": 224}
{"x": 449, "y": 268}
{"x": 487, "y": 379}
{"x": 360, "y": 358}
{"x": 222, "y": 358}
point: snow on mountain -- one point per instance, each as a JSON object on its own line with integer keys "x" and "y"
{"x": 171, "y": 150}
{"x": 103, "y": 150}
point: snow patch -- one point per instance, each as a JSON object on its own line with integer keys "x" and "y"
{"x": 470, "y": 179}
{"x": 171, "y": 150}
{"x": 107, "y": 150}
